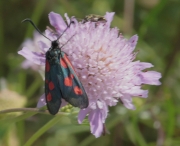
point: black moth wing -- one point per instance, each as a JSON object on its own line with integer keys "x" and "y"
{"x": 53, "y": 93}
{"x": 71, "y": 87}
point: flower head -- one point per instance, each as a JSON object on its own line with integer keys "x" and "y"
{"x": 104, "y": 62}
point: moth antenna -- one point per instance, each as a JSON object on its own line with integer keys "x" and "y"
{"x": 32, "y": 23}
{"x": 65, "y": 29}
{"x": 68, "y": 40}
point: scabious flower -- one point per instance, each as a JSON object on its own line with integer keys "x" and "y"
{"x": 104, "y": 62}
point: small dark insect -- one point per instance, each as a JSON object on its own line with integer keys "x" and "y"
{"x": 94, "y": 18}
{"x": 61, "y": 80}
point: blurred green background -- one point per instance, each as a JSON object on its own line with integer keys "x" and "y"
{"x": 155, "y": 122}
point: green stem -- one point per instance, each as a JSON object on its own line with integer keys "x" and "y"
{"x": 36, "y": 110}
{"x": 22, "y": 80}
{"x": 42, "y": 131}
{"x": 32, "y": 110}
{"x": 21, "y": 129}
{"x": 138, "y": 137}
{"x": 12, "y": 119}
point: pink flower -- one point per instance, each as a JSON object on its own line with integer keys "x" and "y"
{"x": 33, "y": 45}
{"x": 104, "y": 62}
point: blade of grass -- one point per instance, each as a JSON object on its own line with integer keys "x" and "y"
{"x": 171, "y": 115}
{"x": 34, "y": 86}
{"x": 138, "y": 136}
{"x": 22, "y": 82}
{"x": 21, "y": 131}
{"x": 42, "y": 130}
{"x": 16, "y": 119}
{"x": 40, "y": 6}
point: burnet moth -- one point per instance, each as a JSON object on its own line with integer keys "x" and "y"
{"x": 61, "y": 80}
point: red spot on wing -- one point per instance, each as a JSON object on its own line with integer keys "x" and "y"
{"x": 68, "y": 61}
{"x": 47, "y": 66}
{"x": 77, "y": 90}
{"x": 68, "y": 81}
{"x": 51, "y": 85}
{"x": 63, "y": 63}
{"x": 49, "y": 97}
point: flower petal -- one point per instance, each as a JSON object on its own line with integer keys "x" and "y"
{"x": 82, "y": 114}
{"x": 151, "y": 77}
{"x": 96, "y": 124}
{"x": 143, "y": 65}
{"x": 43, "y": 46}
{"x": 104, "y": 112}
{"x": 35, "y": 57}
{"x": 133, "y": 41}
{"x": 41, "y": 102}
{"x": 26, "y": 64}
{"x": 63, "y": 103}
{"x": 57, "y": 22}
{"x": 137, "y": 91}
{"x": 127, "y": 102}
{"x": 99, "y": 104}
{"x": 67, "y": 18}
{"x": 109, "y": 18}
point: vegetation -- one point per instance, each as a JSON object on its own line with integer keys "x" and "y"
{"x": 156, "y": 120}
